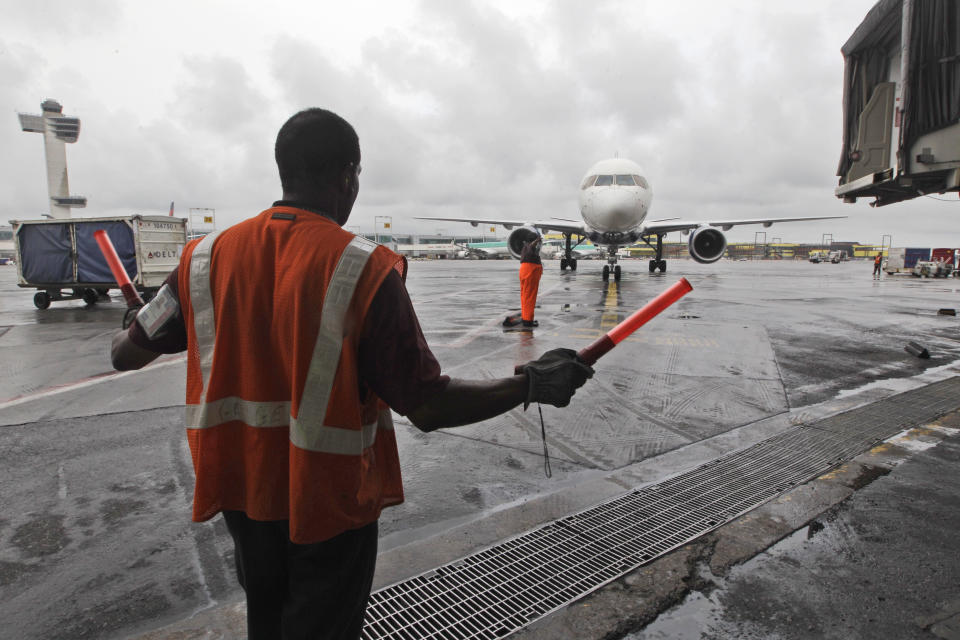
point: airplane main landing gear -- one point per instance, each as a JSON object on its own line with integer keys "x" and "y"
{"x": 658, "y": 262}
{"x": 568, "y": 260}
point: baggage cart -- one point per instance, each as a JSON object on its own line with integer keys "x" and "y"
{"x": 61, "y": 259}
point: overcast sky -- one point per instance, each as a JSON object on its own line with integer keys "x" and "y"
{"x": 487, "y": 108}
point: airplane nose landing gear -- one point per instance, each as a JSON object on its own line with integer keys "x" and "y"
{"x": 607, "y": 271}
{"x": 611, "y": 266}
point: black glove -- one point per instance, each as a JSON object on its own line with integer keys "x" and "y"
{"x": 555, "y": 376}
{"x": 130, "y": 315}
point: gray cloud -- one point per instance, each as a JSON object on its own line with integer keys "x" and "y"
{"x": 463, "y": 110}
{"x": 55, "y": 18}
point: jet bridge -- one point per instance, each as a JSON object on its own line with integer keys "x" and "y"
{"x": 901, "y": 103}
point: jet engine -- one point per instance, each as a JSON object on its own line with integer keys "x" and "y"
{"x": 706, "y": 244}
{"x": 519, "y": 237}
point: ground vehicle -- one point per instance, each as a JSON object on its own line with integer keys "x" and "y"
{"x": 901, "y": 103}
{"x": 932, "y": 269}
{"x": 944, "y": 255}
{"x": 837, "y": 257}
{"x": 903, "y": 259}
{"x": 58, "y": 255}
{"x": 817, "y": 257}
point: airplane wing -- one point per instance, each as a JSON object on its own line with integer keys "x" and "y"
{"x": 666, "y": 226}
{"x": 563, "y": 226}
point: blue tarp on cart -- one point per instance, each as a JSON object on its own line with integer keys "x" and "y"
{"x": 91, "y": 265}
{"x": 45, "y": 253}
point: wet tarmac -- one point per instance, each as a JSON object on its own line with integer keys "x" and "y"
{"x": 95, "y": 538}
{"x": 882, "y": 564}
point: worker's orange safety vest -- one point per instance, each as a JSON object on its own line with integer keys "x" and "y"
{"x": 278, "y": 422}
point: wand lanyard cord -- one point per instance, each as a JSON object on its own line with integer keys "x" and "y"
{"x": 546, "y": 454}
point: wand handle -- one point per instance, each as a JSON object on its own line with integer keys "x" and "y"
{"x": 116, "y": 267}
{"x": 591, "y": 353}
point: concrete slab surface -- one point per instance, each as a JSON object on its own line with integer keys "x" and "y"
{"x": 95, "y": 538}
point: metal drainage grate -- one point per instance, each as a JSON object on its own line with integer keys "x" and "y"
{"x": 495, "y": 592}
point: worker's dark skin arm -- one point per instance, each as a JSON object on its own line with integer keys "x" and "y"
{"x": 126, "y": 355}
{"x": 468, "y": 401}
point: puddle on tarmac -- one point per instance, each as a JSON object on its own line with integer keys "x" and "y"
{"x": 686, "y": 621}
{"x": 693, "y": 617}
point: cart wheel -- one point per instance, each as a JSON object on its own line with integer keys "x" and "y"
{"x": 90, "y": 297}
{"x": 102, "y": 291}
{"x": 41, "y": 300}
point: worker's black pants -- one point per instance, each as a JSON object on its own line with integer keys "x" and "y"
{"x": 309, "y": 591}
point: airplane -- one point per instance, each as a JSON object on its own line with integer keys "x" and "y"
{"x": 552, "y": 248}
{"x": 615, "y": 199}
{"x": 484, "y": 250}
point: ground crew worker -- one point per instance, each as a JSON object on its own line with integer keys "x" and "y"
{"x": 299, "y": 336}
{"x": 877, "y": 261}
{"x": 531, "y": 268}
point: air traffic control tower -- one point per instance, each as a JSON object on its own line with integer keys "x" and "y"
{"x": 57, "y": 130}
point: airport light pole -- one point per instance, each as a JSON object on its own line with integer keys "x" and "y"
{"x": 57, "y": 130}
{"x": 207, "y": 216}
{"x": 886, "y": 241}
{"x": 759, "y": 239}
{"x": 385, "y": 223}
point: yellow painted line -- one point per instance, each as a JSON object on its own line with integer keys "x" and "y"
{"x": 611, "y": 300}
{"x": 610, "y": 317}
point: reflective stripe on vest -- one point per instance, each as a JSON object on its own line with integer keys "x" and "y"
{"x": 277, "y": 414}
{"x": 307, "y": 431}
{"x": 202, "y": 301}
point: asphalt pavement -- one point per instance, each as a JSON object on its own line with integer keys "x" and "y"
{"x": 95, "y": 539}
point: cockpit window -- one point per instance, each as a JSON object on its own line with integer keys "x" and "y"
{"x": 642, "y": 181}
{"x": 603, "y": 181}
{"x": 588, "y": 182}
{"x": 625, "y": 181}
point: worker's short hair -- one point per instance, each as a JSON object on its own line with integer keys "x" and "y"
{"x": 314, "y": 145}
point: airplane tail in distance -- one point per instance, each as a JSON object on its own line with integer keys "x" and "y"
{"x": 171, "y": 208}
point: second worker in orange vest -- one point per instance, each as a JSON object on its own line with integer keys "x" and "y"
{"x": 300, "y": 338}
{"x": 531, "y": 268}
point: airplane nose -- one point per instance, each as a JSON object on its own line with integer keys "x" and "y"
{"x": 617, "y": 209}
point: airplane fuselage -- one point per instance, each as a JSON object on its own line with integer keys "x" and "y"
{"x": 614, "y": 201}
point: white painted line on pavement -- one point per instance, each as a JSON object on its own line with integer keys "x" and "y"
{"x": 87, "y": 382}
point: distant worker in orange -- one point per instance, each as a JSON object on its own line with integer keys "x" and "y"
{"x": 530, "y": 271}
{"x": 877, "y": 261}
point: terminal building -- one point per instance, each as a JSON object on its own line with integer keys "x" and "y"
{"x": 448, "y": 246}
{"x": 429, "y": 246}
{"x": 761, "y": 251}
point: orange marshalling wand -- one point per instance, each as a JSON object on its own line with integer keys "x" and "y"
{"x": 119, "y": 273}
{"x": 637, "y": 319}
